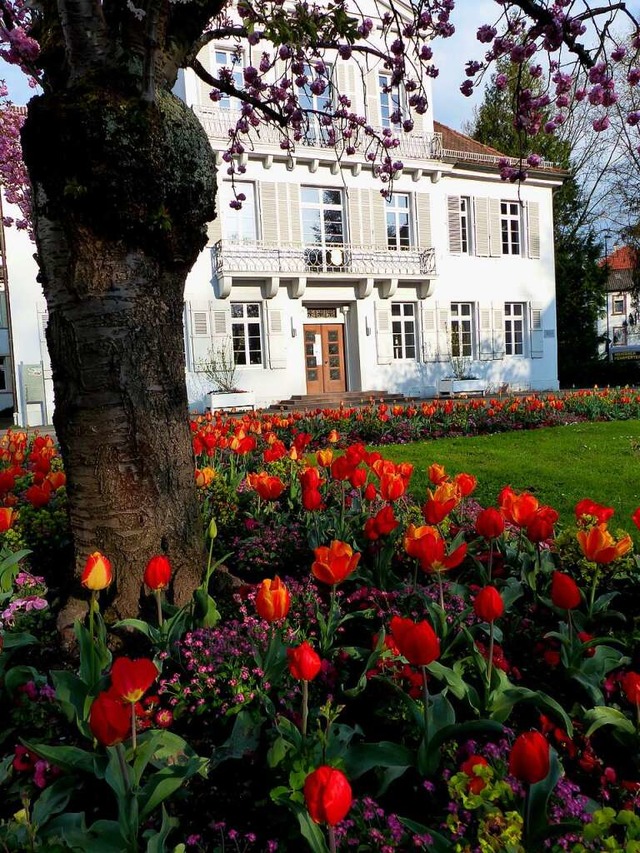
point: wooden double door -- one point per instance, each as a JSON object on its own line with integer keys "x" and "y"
{"x": 324, "y": 358}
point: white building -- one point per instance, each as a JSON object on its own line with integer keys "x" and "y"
{"x": 321, "y": 286}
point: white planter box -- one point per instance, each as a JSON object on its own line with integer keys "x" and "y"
{"x": 450, "y": 387}
{"x": 232, "y": 400}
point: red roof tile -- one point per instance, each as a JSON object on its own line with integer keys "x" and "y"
{"x": 622, "y": 258}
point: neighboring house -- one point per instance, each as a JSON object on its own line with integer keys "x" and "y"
{"x": 620, "y": 326}
{"x": 322, "y": 286}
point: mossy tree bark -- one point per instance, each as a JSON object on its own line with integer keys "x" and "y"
{"x": 123, "y": 189}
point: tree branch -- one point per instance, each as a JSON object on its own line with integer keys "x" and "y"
{"x": 85, "y": 34}
{"x": 240, "y": 94}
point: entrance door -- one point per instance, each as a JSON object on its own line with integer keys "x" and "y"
{"x": 324, "y": 358}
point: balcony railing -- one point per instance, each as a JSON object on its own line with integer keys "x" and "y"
{"x": 413, "y": 146}
{"x": 297, "y": 259}
{"x": 624, "y": 336}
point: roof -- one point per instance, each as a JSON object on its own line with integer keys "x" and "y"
{"x": 458, "y": 146}
{"x": 622, "y": 258}
{"x": 622, "y": 261}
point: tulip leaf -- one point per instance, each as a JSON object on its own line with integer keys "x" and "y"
{"x": 365, "y": 756}
{"x": 439, "y": 843}
{"x": 310, "y": 830}
{"x": 163, "y": 783}
{"x": 244, "y": 737}
{"x": 156, "y": 843}
{"x": 18, "y": 640}
{"x": 603, "y": 716}
{"x": 539, "y": 794}
{"x": 70, "y": 758}
{"x": 140, "y": 625}
{"x": 505, "y": 700}
{"x": 73, "y": 695}
{"x": 452, "y": 678}
{"x": 52, "y": 800}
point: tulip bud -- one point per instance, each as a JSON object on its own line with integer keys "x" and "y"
{"x": 158, "y": 573}
{"x": 328, "y": 796}
{"x": 529, "y": 760}
{"x": 97, "y": 572}
{"x": 416, "y": 641}
{"x": 564, "y": 591}
{"x": 304, "y": 662}
{"x": 213, "y": 529}
{"x": 488, "y": 604}
{"x": 490, "y": 523}
{"x": 273, "y": 600}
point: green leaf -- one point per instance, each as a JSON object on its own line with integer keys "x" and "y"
{"x": 18, "y": 640}
{"x": 539, "y": 794}
{"x": 52, "y": 800}
{"x": 365, "y": 756}
{"x": 156, "y": 842}
{"x": 455, "y": 683}
{"x": 503, "y": 702}
{"x": 73, "y": 694}
{"x": 244, "y": 738}
{"x": 95, "y": 657}
{"x": 603, "y": 716}
{"x": 310, "y": 830}
{"x": 163, "y": 783}
{"x": 70, "y": 758}
{"x": 140, "y": 625}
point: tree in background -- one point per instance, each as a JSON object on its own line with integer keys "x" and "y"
{"x": 122, "y": 179}
{"x": 579, "y": 278}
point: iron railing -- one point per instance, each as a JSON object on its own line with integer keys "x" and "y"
{"x": 298, "y": 259}
{"x": 217, "y": 123}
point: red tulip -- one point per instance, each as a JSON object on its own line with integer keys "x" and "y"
{"x": 97, "y": 573}
{"x": 518, "y": 508}
{"x": 7, "y": 517}
{"x": 631, "y": 687}
{"x": 466, "y": 483}
{"x": 426, "y": 544}
{"x": 328, "y": 796}
{"x": 311, "y": 499}
{"x": 540, "y": 527}
{"x": 109, "y": 720}
{"x": 636, "y": 518}
{"x": 273, "y": 600}
{"x": 334, "y": 563}
{"x": 158, "y": 573}
{"x": 381, "y": 524}
{"x": 488, "y": 604}
{"x": 392, "y": 486}
{"x": 529, "y": 759}
{"x": 370, "y": 492}
{"x": 490, "y": 523}
{"x": 304, "y": 662}
{"x": 38, "y": 496}
{"x": 416, "y": 641}
{"x": 565, "y": 593}
{"x": 587, "y": 508}
{"x": 130, "y": 679}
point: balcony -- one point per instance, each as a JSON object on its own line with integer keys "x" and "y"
{"x": 217, "y": 122}
{"x": 296, "y": 259}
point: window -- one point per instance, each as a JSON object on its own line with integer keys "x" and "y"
{"x": 323, "y": 226}
{"x": 461, "y": 329}
{"x": 315, "y": 99}
{"x": 398, "y": 223}
{"x": 4, "y": 363}
{"x": 403, "y": 329}
{"x": 239, "y": 226}
{"x": 510, "y": 227}
{"x": 617, "y": 303}
{"x": 513, "y": 328}
{"x": 465, "y": 226}
{"x": 391, "y": 107}
{"x": 227, "y": 66}
{"x": 246, "y": 332}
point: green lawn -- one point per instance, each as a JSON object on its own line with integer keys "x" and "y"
{"x": 560, "y": 465}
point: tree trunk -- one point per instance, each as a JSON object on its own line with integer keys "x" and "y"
{"x": 122, "y": 192}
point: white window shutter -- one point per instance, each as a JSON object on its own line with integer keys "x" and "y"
{"x": 495, "y": 228}
{"x": 276, "y": 339}
{"x": 200, "y": 338}
{"x": 423, "y": 209}
{"x": 536, "y": 330}
{"x": 384, "y": 341}
{"x": 481, "y": 208}
{"x": 429, "y": 331}
{"x": 373, "y": 99}
{"x": 533, "y": 228}
{"x": 268, "y": 205}
{"x": 453, "y": 217}
{"x": 378, "y": 218}
{"x": 358, "y": 218}
{"x": 294, "y": 214}
{"x": 498, "y": 331}
{"x": 444, "y": 338}
{"x": 486, "y": 334}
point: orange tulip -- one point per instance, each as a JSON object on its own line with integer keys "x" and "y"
{"x": 392, "y": 487}
{"x": 518, "y": 508}
{"x": 204, "y": 477}
{"x": 269, "y": 488}
{"x": 97, "y": 573}
{"x": 273, "y": 600}
{"x": 436, "y": 473}
{"x": 599, "y": 546}
{"x": 7, "y": 517}
{"x": 335, "y": 563}
{"x": 440, "y": 503}
{"x": 426, "y": 544}
{"x": 324, "y": 458}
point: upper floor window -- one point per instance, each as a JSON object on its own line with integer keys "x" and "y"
{"x": 617, "y": 303}
{"x": 403, "y": 330}
{"x": 398, "y": 221}
{"x": 239, "y": 226}
{"x": 511, "y": 227}
{"x": 514, "y": 328}
{"x": 227, "y": 67}
{"x": 461, "y": 329}
{"x": 391, "y": 106}
{"x": 465, "y": 225}
{"x": 315, "y": 98}
{"x": 323, "y": 225}
{"x": 246, "y": 333}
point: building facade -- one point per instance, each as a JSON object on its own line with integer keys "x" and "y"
{"x": 320, "y": 285}
{"x": 620, "y": 325}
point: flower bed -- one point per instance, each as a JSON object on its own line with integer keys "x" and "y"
{"x": 376, "y": 675}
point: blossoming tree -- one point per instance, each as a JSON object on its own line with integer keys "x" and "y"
{"x": 122, "y": 185}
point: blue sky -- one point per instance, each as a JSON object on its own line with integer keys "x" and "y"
{"x": 450, "y": 55}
